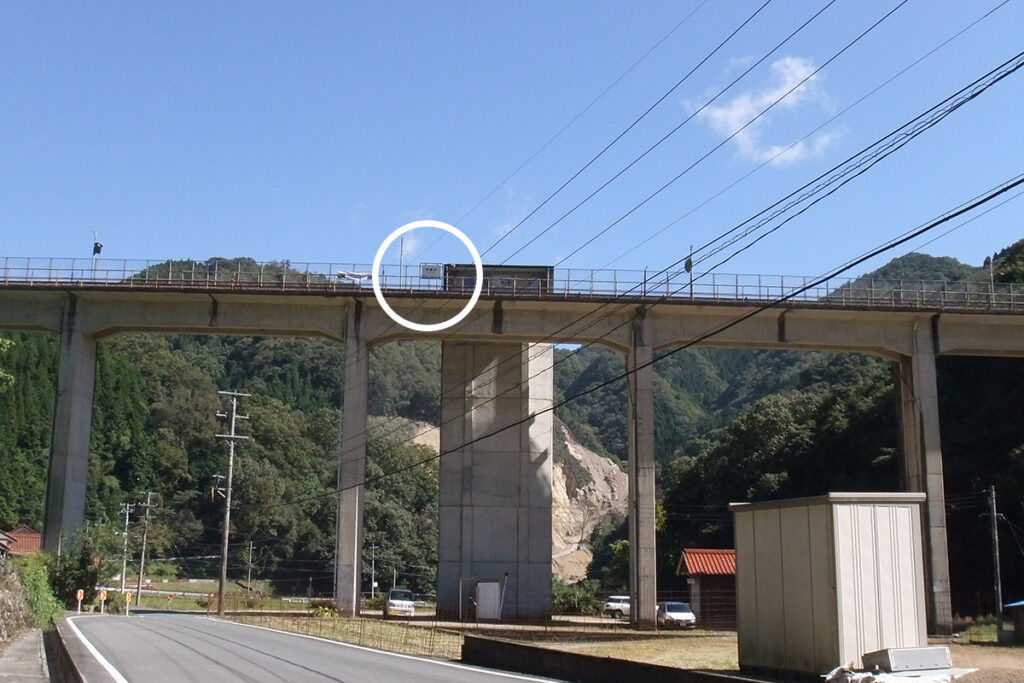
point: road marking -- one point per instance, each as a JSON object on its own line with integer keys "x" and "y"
{"x": 428, "y": 660}
{"x": 114, "y": 673}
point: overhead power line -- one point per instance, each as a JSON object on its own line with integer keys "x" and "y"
{"x": 847, "y": 170}
{"x": 931, "y": 225}
{"x": 805, "y": 137}
{"x": 574, "y": 119}
{"x": 630, "y": 127}
{"x": 644, "y": 114}
{"x": 975, "y": 22}
{"x": 724, "y": 142}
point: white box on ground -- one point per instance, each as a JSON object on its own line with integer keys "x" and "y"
{"x": 896, "y": 659}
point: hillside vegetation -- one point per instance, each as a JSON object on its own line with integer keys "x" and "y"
{"x": 730, "y": 425}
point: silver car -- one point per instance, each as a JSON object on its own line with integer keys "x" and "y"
{"x": 676, "y": 615}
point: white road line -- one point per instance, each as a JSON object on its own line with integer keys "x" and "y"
{"x": 114, "y": 673}
{"x": 400, "y": 655}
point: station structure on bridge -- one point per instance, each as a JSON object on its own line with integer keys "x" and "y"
{"x": 496, "y": 435}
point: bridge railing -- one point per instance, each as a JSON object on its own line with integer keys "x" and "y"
{"x": 250, "y": 275}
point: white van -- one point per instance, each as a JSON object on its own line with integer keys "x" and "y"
{"x": 399, "y": 604}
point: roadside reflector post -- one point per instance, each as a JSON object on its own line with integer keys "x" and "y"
{"x": 80, "y": 594}
{"x": 103, "y": 602}
{"x": 127, "y": 602}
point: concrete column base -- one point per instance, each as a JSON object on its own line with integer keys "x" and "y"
{"x": 72, "y": 427}
{"x": 921, "y": 470}
{"x": 352, "y": 472}
{"x": 495, "y": 497}
{"x": 643, "y": 569}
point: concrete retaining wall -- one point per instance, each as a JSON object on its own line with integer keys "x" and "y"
{"x": 62, "y": 667}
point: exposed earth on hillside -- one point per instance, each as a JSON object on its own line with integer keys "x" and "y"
{"x": 578, "y": 507}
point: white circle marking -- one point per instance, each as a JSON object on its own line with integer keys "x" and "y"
{"x": 433, "y": 327}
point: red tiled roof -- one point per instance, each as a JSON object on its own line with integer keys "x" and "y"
{"x": 719, "y": 562}
{"x": 26, "y": 540}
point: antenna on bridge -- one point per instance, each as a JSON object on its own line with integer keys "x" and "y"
{"x": 96, "y": 249}
{"x": 231, "y": 438}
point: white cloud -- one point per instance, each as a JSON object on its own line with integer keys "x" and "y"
{"x": 504, "y": 228}
{"x": 410, "y": 244}
{"x": 792, "y": 86}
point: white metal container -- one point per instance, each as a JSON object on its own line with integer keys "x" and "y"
{"x": 821, "y": 581}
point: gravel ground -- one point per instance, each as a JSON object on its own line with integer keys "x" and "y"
{"x": 993, "y": 676}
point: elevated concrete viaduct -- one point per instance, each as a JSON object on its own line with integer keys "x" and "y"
{"x": 501, "y": 331}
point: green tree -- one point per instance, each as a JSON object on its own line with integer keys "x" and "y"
{"x": 400, "y": 512}
{"x": 6, "y": 378}
{"x": 90, "y": 557}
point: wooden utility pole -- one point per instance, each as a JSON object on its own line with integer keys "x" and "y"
{"x": 142, "y": 558}
{"x": 126, "y": 508}
{"x": 231, "y": 437}
{"x": 998, "y": 582}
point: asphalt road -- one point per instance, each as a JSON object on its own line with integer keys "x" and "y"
{"x": 178, "y": 647}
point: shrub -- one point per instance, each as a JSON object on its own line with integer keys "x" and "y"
{"x": 91, "y": 558}
{"x": 33, "y": 572}
{"x": 577, "y": 598}
{"x": 378, "y": 601}
{"x": 325, "y": 611}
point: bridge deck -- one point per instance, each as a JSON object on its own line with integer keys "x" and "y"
{"x": 348, "y": 279}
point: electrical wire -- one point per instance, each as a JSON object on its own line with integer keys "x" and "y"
{"x": 871, "y": 154}
{"x": 629, "y": 127}
{"x": 945, "y": 218}
{"x": 689, "y": 118}
{"x": 574, "y": 119}
{"x": 804, "y": 138}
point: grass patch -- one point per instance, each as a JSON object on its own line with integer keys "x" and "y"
{"x": 691, "y": 650}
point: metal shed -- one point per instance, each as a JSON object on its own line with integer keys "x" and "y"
{"x": 821, "y": 581}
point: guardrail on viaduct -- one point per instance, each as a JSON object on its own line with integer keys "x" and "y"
{"x": 679, "y": 285}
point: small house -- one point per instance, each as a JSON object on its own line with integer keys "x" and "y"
{"x": 26, "y": 540}
{"x": 711, "y": 576}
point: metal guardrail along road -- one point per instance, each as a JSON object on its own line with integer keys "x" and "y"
{"x": 677, "y": 286}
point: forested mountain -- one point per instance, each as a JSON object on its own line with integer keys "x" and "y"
{"x": 730, "y": 425}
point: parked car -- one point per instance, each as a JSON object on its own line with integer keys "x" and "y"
{"x": 676, "y": 615}
{"x": 617, "y": 606}
{"x": 399, "y": 604}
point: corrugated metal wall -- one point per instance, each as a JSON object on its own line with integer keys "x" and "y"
{"x": 822, "y": 581}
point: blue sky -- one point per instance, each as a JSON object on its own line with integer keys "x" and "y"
{"x": 310, "y": 130}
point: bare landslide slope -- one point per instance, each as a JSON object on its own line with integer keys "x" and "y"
{"x": 578, "y": 506}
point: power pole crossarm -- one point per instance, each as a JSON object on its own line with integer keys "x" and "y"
{"x": 231, "y": 437}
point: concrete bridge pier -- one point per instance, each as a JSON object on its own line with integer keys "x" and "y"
{"x": 495, "y": 475}
{"x": 72, "y": 425}
{"x": 643, "y": 570}
{"x": 921, "y": 469}
{"x": 352, "y": 470}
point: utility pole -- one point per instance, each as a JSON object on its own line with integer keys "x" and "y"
{"x": 142, "y": 557}
{"x": 126, "y": 508}
{"x": 401, "y": 262}
{"x": 373, "y": 568}
{"x": 994, "y": 515}
{"x": 248, "y": 579}
{"x": 231, "y": 437}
